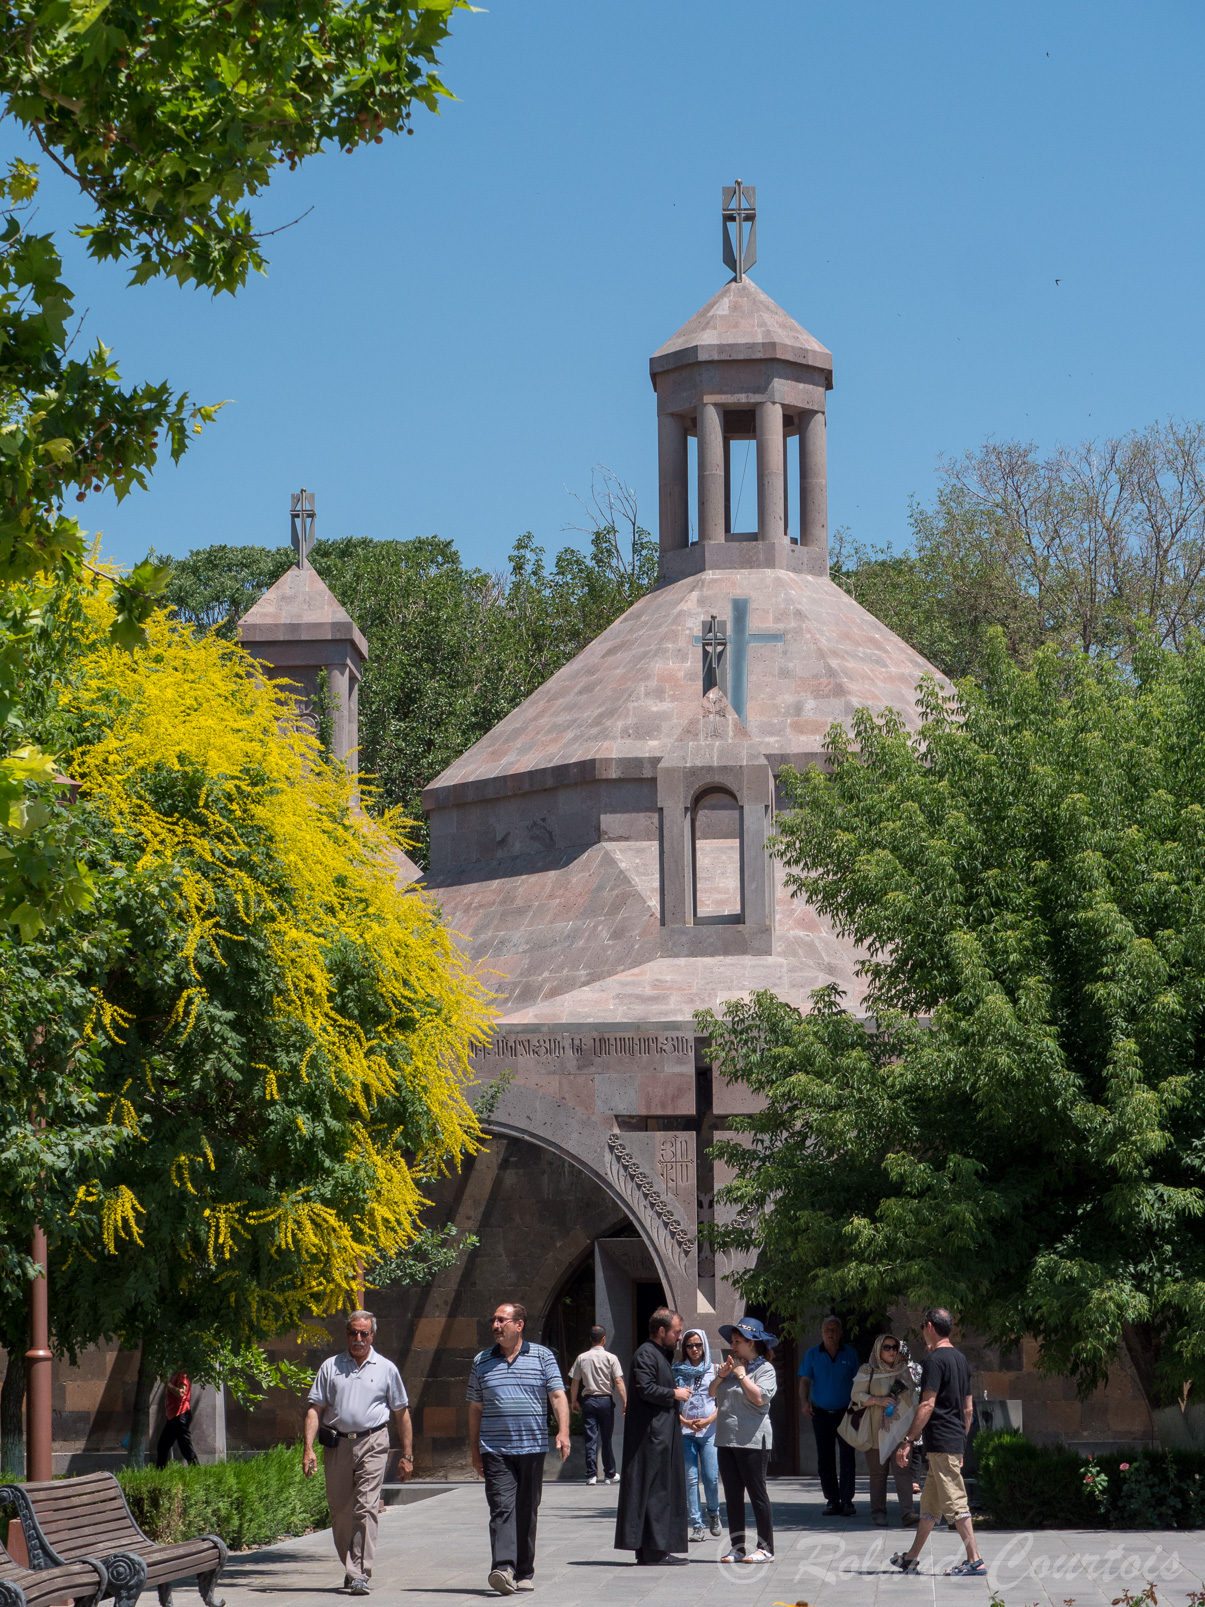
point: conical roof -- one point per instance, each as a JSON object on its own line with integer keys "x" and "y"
{"x": 739, "y": 323}
{"x": 614, "y": 710}
{"x": 300, "y": 607}
{"x": 562, "y": 905}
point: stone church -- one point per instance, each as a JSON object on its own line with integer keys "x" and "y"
{"x": 603, "y": 855}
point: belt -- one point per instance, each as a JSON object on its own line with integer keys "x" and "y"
{"x": 596, "y": 1397}
{"x": 361, "y": 1434}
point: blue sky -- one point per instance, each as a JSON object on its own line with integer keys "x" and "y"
{"x": 461, "y": 327}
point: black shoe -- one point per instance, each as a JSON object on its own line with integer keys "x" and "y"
{"x": 832, "y": 1510}
{"x": 671, "y": 1561}
{"x": 849, "y": 1510}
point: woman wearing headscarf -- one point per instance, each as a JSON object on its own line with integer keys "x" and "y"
{"x": 884, "y": 1389}
{"x": 742, "y": 1389}
{"x": 698, "y": 1416}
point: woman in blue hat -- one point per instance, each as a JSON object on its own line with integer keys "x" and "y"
{"x": 742, "y": 1389}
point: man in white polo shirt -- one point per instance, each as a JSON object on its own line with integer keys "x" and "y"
{"x": 348, "y": 1411}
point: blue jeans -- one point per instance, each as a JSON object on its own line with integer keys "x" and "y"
{"x": 700, "y": 1459}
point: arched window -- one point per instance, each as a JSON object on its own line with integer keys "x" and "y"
{"x": 717, "y": 865}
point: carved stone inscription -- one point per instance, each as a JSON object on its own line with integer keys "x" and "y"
{"x": 676, "y": 1164}
{"x": 668, "y": 1216}
{"x": 589, "y": 1051}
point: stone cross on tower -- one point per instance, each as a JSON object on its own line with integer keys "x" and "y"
{"x": 301, "y": 521}
{"x": 739, "y": 205}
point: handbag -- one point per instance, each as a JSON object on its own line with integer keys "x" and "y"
{"x": 327, "y": 1436}
{"x": 856, "y": 1428}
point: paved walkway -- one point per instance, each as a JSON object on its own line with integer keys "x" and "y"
{"x": 435, "y": 1553}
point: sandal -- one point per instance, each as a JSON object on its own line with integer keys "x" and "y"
{"x": 963, "y": 1569}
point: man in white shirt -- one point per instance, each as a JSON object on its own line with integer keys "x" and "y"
{"x": 597, "y": 1373}
{"x": 349, "y": 1406}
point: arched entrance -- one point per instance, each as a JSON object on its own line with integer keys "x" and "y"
{"x": 613, "y": 1162}
{"x": 547, "y": 1202}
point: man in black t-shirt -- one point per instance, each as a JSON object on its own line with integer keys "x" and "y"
{"x": 944, "y": 1419}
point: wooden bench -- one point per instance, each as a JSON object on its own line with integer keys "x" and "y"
{"x": 67, "y": 1518}
{"x": 83, "y": 1582}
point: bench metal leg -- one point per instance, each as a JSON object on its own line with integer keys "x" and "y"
{"x": 165, "y": 1595}
{"x": 206, "y": 1584}
{"x": 127, "y": 1577}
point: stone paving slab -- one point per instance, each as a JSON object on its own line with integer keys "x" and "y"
{"x": 435, "y": 1553}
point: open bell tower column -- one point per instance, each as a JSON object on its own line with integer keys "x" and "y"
{"x": 813, "y": 482}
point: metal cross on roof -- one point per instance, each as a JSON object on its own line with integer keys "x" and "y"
{"x": 714, "y": 642}
{"x": 739, "y": 207}
{"x": 301, "y": 524}
{"x": 726, "y": 658}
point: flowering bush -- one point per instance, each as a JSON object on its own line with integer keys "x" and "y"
{"x": 276, "y": 1032}
{"x": 1096, "y": 1483}
{"x": 1025, "y": 1485}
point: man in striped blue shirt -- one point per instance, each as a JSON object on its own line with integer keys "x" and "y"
{"x": 510, "y": 1389}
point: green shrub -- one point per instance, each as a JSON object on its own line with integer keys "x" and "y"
{"x": 1027, "y": 1486}
{"x": 248, "y": 1503}
{"x": 1157, "y": 1490}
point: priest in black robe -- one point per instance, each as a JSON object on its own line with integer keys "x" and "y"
{"x": 651, "y": 1520}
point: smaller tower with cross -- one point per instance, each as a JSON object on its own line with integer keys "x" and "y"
{"x": 744, "y": 381}
{"x": 298, "y": 629}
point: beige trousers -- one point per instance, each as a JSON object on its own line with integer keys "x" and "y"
{"x": 355, "y": 1471}
{"x": 876, "y": 1472}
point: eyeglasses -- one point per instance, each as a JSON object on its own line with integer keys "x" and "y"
{"x": 359, "y": 1333}
{"x": 888, "y": 1347}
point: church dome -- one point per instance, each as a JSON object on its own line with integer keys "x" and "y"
{"x": 605, "y": 851}
{"x": 741, "y": 323}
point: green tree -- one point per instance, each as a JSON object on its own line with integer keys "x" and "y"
{"x": 54, "y": 1131}
{"x": 215, "y": 586}
{"x": 256, "y": 1050}
{"x": 1017, "y": 1131}
{"x": 67, "y": 426}
{"x": 1089, "y": 548}
{"x": 168, "y": 120}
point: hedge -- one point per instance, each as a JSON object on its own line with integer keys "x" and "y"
{"x": 1028, "y": 1486}
{"x": 247, "y": 1503}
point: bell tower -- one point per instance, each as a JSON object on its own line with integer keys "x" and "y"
{"x": 742, "y": 370}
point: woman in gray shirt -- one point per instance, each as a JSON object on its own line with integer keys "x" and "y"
{"x": 742, "y": 1389}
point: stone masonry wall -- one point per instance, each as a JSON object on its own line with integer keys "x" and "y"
{"x": 536, "y": 1216}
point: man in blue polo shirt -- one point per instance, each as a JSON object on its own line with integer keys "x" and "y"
{"x": 510, "y": 1390}
{"x": 826, "y": 1376}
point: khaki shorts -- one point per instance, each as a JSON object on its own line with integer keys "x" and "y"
{"x": 944, "y": 1494}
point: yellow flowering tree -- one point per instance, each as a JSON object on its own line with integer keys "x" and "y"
{"x": 280, "y": 1032}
